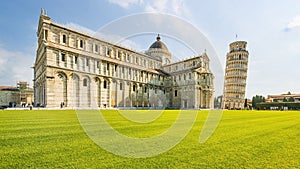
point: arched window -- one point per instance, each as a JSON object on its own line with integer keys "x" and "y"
{"x": 121, "y": 86}
{"x": 119, "y": 55}
{"x": 64, "y": 39}
{"x": 104, "y": 84}
{"x": 107, "y": 51}
{"x": 133, "y": 88}
{"x": 81, "y": 43}
{"x": 63, "y": 57}
{"x": 84, "y": 82}
{"x": 96, "y": 48}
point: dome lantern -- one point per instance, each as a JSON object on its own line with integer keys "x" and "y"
{"x": 158, "y": 44}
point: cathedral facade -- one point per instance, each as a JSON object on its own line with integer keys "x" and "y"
{"x": 76, "y": 70}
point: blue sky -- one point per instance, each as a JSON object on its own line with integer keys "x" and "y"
{"x": 271, "y": 28}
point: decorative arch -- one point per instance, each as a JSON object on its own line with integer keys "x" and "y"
{"x": 105, "y": 93}
{"x": 61, "y": 74}
{"x": 61, "y": 89}
{"x": 76, "y": 89}
{"x": 86, "y": 91}
{"x": 98, "y": 82}
{"x": 119, "y": 93}
{"x": 85, "y": 82}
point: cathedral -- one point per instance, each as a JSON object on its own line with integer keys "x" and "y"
{"x": 76, "y": 70}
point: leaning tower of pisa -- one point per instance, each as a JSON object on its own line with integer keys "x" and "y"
{"x": 235, "y": 76}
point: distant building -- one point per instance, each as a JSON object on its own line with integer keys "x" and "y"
{"x": 284, "y": 98}
{"x": 218, "y": 102}
{"x": 73, "y": 69}
{"x": 249, "y": 103}
{"x": 280, "y": 102}
{"x": 235, "y": 76}
{"x": 19, "y": 95}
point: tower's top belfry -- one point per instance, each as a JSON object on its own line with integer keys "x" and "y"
{"x": 238, "y": 46}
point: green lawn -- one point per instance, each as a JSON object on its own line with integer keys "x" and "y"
{"x": 243, "y": 139}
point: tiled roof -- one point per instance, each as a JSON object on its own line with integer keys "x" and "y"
{"x": 7, "y": 87}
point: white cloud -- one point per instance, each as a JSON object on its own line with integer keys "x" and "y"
{"x": 294, "y": 23}
{"x": 125, "y": 3}
{"x": 156, "y": 6}
{"x": 176, "y": 7}
{"x": 15, "y": 66}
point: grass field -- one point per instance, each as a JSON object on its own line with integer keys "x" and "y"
{"x": 244, "y": 139}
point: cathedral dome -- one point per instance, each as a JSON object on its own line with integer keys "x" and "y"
{"x": 158, "y": 44}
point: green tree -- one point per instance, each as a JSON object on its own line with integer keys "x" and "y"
{"x": 291, "y": 99}
{"x": 245, "y": 104}
{"x": 257, "y": 99}
{"x": 254, "y": 101}
{"x": 285, "y": 100}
